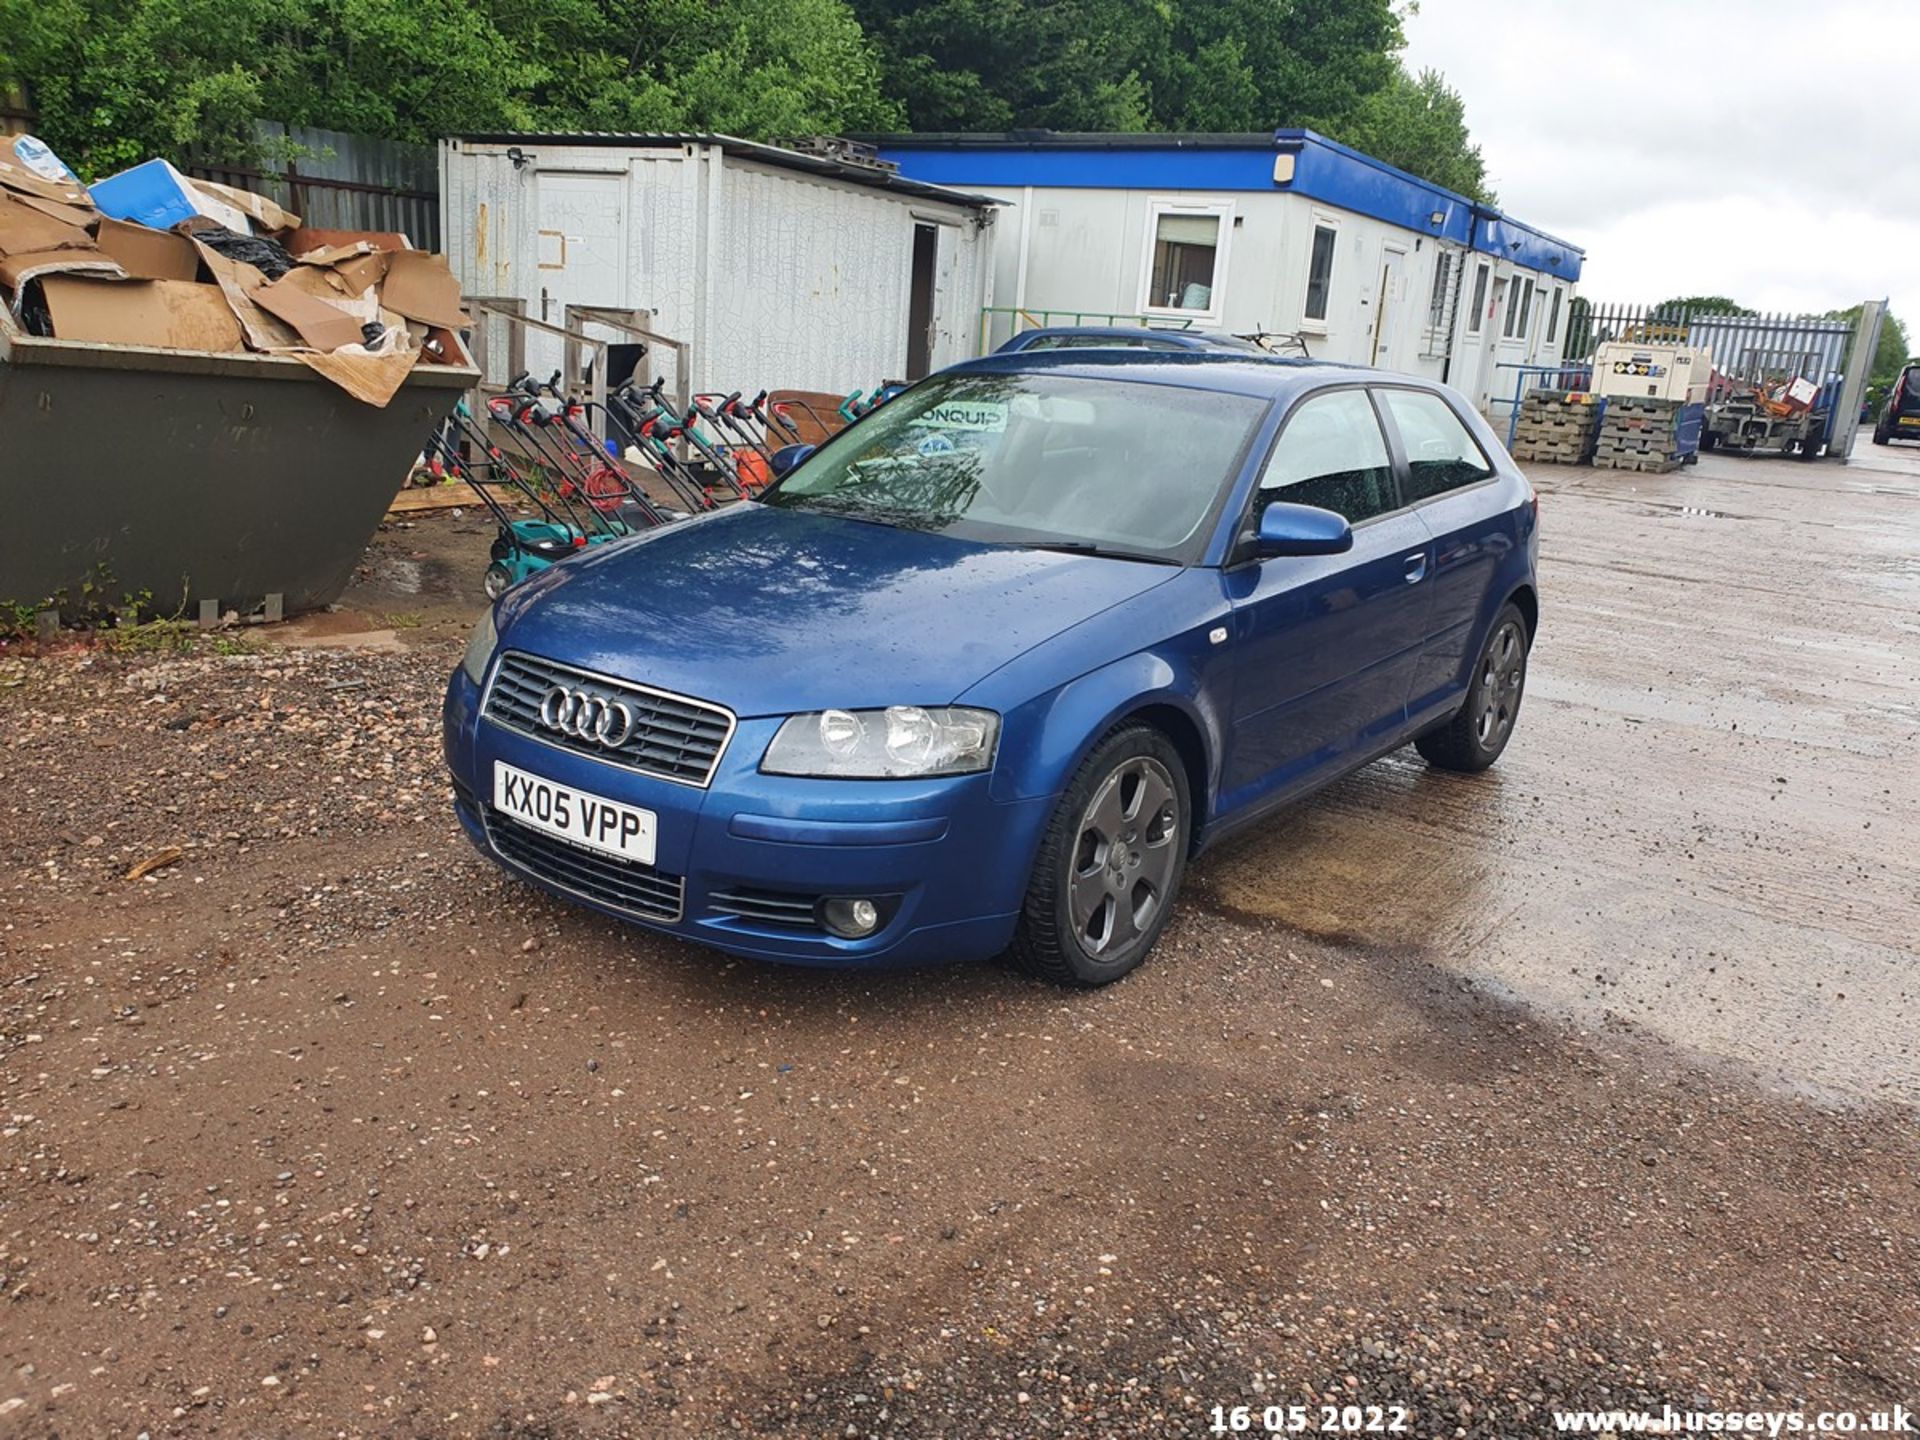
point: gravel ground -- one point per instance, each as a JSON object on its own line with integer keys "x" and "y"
{"x": 322, "y": 1126}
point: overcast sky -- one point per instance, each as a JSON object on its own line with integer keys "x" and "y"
{"x": 1768, "y": 150}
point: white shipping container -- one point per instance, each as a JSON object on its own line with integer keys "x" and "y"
{"x": 777, "y": 269}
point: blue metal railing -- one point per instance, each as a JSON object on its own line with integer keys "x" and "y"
{"x": 1569, "y": 376}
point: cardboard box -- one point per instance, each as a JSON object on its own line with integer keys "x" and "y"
{"x": 267, "y": 215}
{"x": 169, "y": 314}
{"x": 149, "y": 254}
{"x": 17, "y": 175}
{"x": 158, "y": 196}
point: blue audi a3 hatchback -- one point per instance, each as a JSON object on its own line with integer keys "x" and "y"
{"x": 984, "y": 672}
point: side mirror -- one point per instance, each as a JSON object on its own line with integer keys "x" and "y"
{"x": 1301, "y": 530}
{"x": 788, "y": 456}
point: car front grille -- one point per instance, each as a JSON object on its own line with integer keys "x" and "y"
{"x": 673, "y": 737}
{"x": 766, "y": 907}
{"x": 624, "y": 885}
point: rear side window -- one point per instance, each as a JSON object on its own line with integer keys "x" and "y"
{"x": 1332, "y": 454}
{"x": 1441, "y": 455}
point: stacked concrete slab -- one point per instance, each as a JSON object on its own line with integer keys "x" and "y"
{"x": 1556, "y": 426}
{"x": 1639, "y": 434}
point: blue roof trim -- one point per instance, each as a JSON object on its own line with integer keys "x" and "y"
{"x": 1337, "y": 175}
{"x": 1502, "y": 235}
{"x": 1089, "y": 168}
{"x": 1325, "y": 170}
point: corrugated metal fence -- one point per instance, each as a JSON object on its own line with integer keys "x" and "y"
{"x": 1745, "y": 347}
{"x": 339, "y": 181}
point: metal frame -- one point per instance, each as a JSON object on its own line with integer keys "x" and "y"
{"x": 491, "y": 310}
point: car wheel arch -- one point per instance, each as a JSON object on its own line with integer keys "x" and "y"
{"x": 1186, "y": 736}
{"x": 1527, "y": 601}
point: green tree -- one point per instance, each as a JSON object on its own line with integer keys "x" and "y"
{"x": 116, "y": 81}
{"x": 1015, "y": 64}
{"x": 1702, "y": 305}
{"x": 1253, "y": 65}
{"x": 1419, "y": 123}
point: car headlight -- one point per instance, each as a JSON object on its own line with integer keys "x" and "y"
{"x": 896, "y": 743}
{"x": 480, "y": 647}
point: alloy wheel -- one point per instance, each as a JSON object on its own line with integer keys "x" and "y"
{"x": 1124, "y": 857}
{"x": 1503, "y": 667}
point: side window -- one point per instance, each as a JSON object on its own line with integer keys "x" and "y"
{"x": 1320, "y": 272}
{"x": 1479, "y": 310}
{"x": 1441, "y": 455}
{"x": 1332, "y": 454}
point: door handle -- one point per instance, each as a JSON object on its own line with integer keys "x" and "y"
{"x": 1416, "y": 567}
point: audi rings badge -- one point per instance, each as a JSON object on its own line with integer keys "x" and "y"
{"x": 586, "y": 716}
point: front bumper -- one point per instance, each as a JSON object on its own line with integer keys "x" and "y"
{"x": 949, "y": 861}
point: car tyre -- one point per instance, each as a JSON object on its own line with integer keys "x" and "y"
{"x": 1110, "y": 864}
{"x": 1810, "y": 449}
{"x": 1882, "y": 433}
{"x": 1473, "y": 739}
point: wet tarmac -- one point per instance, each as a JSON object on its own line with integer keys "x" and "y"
{"x": 1707, "y": 825}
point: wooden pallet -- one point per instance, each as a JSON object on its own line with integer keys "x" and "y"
{"x": 1549, "y": 454}
{"x": 1646, "y": 464}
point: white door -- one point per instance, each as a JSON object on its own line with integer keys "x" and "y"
{"x": 1386, "y": 315}
{"x": 581, "y": 255}
{"x": 1490, "y": 324}
{"x": 583, "y": 241}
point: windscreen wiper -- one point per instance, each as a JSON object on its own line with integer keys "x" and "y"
{"x": 1085, "y": 547}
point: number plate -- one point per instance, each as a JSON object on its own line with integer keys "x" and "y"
{"x": 625, "y": 832}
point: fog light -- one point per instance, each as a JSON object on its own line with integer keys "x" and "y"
{"x": 851, "y": 919}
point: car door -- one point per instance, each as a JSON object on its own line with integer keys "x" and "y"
{"x": 1452, "y": 486}
{"x": 1324, "y": 646}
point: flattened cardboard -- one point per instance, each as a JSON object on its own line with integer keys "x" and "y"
{"x": 332, "y": 254}
{"x": 322, "y": 325}
{"x": 308, "y": 239}
{"x": 240, "y": 282}
{"x": 170, "y": 314}
{"x": 25, "y": 230}
{"x": 355, "y": 266}
{"x": 421, "y": 287}
{"x": 17, "y": 270}
{"x": 149, "y": 254}
{"x": 266, "y": 214}
{"x": 76, "y": 215}
{"x": 370, "y": 376}
{"x": 325, "y": 284}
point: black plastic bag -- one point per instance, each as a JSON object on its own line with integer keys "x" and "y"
{"x": 35, "y": 318}
{"x": 269, "y": 257}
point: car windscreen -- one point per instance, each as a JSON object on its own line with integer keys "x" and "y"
{"x": 1125, "y": 467}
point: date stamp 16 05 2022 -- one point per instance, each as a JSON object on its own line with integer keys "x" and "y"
{"x": 1311, "y": 1420}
